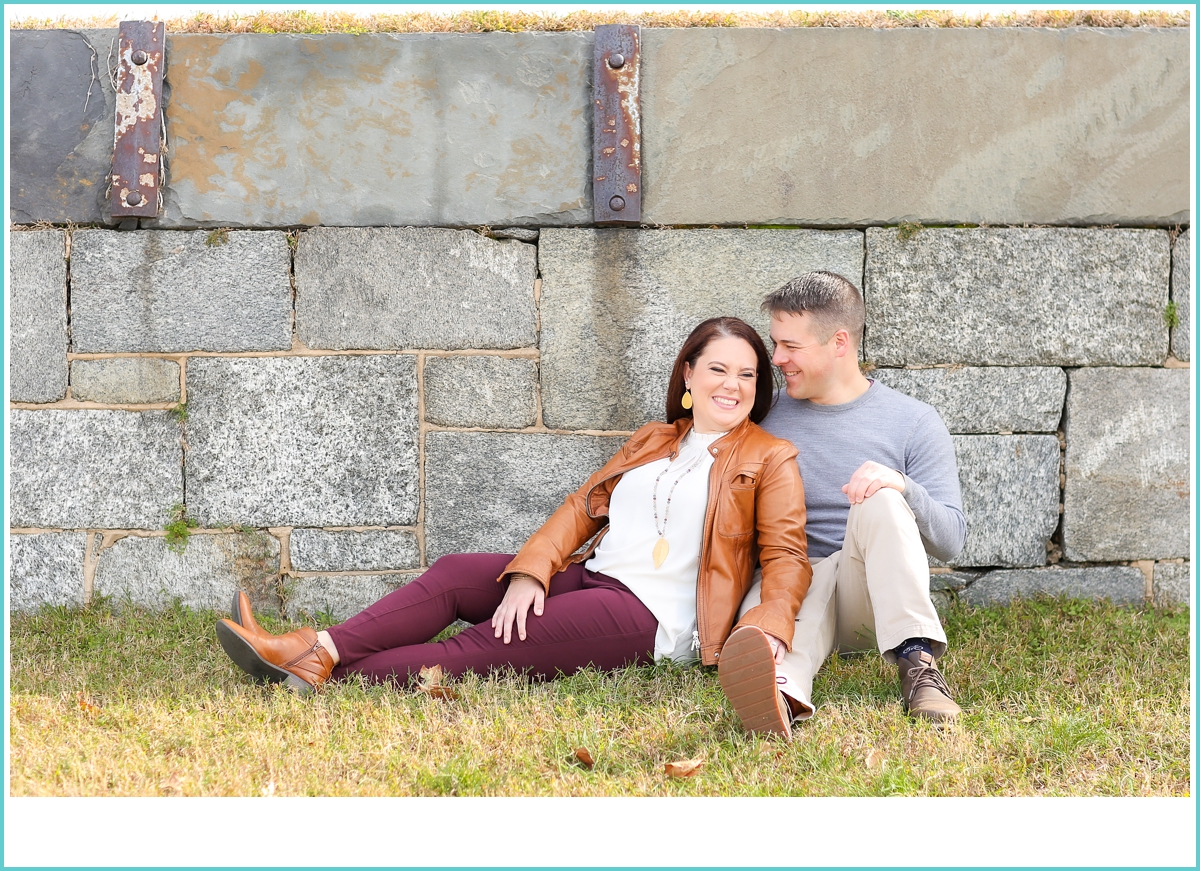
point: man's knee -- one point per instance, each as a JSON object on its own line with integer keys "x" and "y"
{"x": 885, "y": 503}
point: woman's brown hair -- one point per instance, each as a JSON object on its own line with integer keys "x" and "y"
{"x": 693, "y": 347}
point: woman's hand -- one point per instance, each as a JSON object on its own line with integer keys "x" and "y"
{"x": 522, "y": 592}
{"x": 778, "y": 648}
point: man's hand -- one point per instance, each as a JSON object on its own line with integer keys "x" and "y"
{"x": 870, "y": 478}
{"x": 778, "y": 648}
{"x": 522, "y": 592}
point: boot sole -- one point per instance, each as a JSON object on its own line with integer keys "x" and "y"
{"x": 235, "y": 610}
{"x": 747, "y": 675}
{"x": 248, "y": 660}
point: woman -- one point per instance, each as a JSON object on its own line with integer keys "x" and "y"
{"x": 678, "y": 519}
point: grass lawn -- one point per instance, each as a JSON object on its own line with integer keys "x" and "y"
{"x": 1062, "y": 697}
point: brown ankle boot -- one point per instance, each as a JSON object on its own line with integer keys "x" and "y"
{"x": 295, "y": 659}
{"x": 924, "y": 689}
{"x": 244, "y": 616}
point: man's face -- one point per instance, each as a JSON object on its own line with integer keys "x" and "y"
{"x": 807, "y": 363}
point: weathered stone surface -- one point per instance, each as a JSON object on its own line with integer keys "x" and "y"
{"x": 487, "y": 492}
{"x": 1181, "y": 293}
{"x": 63, "y": 113}
{"x": 320, "y": 550}
{"x": 1017, "y": 297}
{"x": 125, "y": 379}
{"x": 521, "y": 234}
{"x": 986, "y": 400}
{"x": 379, "y": 129}
{"x": 303, "y": 441}
{"x": 951, "y": 580}
{"x": 404, "y": 288}
{"x": 47, "y": 569}
{"x": 155, "y": 291}
{"x": 841, "y": 126}
{"x": 1173, "y": 583}
{"x": 616, "y": 306}
{"x": 146, "y": 572}
{"x": 1010, "y": 497}
{"x": 321, "y": 597}
{"x": 1123, "y": 585}
{"x": 93, "y": 469}
{"x": 1128, "y": 487}
{"x": 37, "y": 299}
{"x": 481, "y": 391}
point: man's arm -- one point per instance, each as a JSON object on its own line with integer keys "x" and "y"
{"x": 931, "y": 488}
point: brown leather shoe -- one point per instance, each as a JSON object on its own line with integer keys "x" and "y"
{"x": 244, "y": 616}
{"x": 747, "y": 672}
{"x": 295, "y": 659}
{"x": 924, "y": 690}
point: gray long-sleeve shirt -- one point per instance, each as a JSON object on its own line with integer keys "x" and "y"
{"x": 890, "y": 428}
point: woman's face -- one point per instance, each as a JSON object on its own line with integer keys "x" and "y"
{"x": 722, "y": 384}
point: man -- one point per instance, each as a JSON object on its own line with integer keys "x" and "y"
{"x": 881, "y": 490}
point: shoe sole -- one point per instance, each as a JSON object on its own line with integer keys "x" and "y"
{"x": 747, "y": 675}
{"x": 248, "y": 660}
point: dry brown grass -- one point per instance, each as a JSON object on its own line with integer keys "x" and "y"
{"x": 487, "y": 21}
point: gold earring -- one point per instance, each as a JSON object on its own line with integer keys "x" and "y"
{"x": 686, "y": 402}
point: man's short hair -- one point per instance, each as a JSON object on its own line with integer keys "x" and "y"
{"x": 831, "y": 299}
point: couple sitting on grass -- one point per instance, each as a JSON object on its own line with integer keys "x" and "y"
{"x": 697, "y": 547}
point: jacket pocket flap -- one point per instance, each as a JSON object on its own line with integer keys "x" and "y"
{"x": 745, "y": 476}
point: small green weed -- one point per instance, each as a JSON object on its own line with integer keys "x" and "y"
{"x": 217, "y": 238}
{"x": 908, "y": 229}
{"x": 1171, "y": 314}
{"x": 293, "y": 240}
{"x": 181, "y": 412}
{"x": 179, "y": 528}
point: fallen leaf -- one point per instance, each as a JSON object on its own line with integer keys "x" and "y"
{"x": 269, "y": 789}
{"x": 429, "y": 681}
{"x": 1068, "y": 679}
{"x": 874, "y": 759}
{"x": 1027, "y": 719}
{"x": 766, "y": 749}
{"x": 583, "y": 756}
{"x": 683, "y": 768}
{"x": 86, "y": 704}
{"x": 173, "y": 785}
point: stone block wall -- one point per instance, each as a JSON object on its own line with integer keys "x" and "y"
{"x": 338, "y": 407}
{"x": 399, "y": 336}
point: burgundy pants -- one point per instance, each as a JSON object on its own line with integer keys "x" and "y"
{"x": 588, "y": 619}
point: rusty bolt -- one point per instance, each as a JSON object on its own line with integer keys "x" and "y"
{"x": 134, "y": 198}
{"x": 616, "y": 204}
{"x": 616, "y": 61}
{"x": 140, "y": 57}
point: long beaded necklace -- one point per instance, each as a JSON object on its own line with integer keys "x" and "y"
{"x": 661, "y": 547}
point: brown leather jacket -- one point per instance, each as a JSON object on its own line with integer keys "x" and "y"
{"x": 755, "y": 514}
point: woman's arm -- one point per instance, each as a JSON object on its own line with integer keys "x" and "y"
{"x": 782, "y": 545}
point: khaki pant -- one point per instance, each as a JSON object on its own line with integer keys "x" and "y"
{"x": 873, "y": 593}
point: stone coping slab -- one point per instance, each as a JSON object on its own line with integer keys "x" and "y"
{"x": 853, "y": 126}
{"x": 379, "y": 129}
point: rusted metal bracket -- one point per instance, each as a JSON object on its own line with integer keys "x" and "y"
{"x": 137, "y": 161}
{"x": 617, "y": 131}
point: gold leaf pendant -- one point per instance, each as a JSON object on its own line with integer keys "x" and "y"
{"x": 660, "y": 552}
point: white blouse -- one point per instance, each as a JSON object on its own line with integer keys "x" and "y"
{"x": 627, "y": 550}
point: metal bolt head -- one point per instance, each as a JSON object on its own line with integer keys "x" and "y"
{"x": 140, "y": 57}
{"x": 134, "y": 198}
{"x": 616, "y": 61}
{"x": 616, "y": 204}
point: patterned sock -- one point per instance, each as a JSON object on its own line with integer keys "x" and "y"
{"x": 913, "y": 644}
